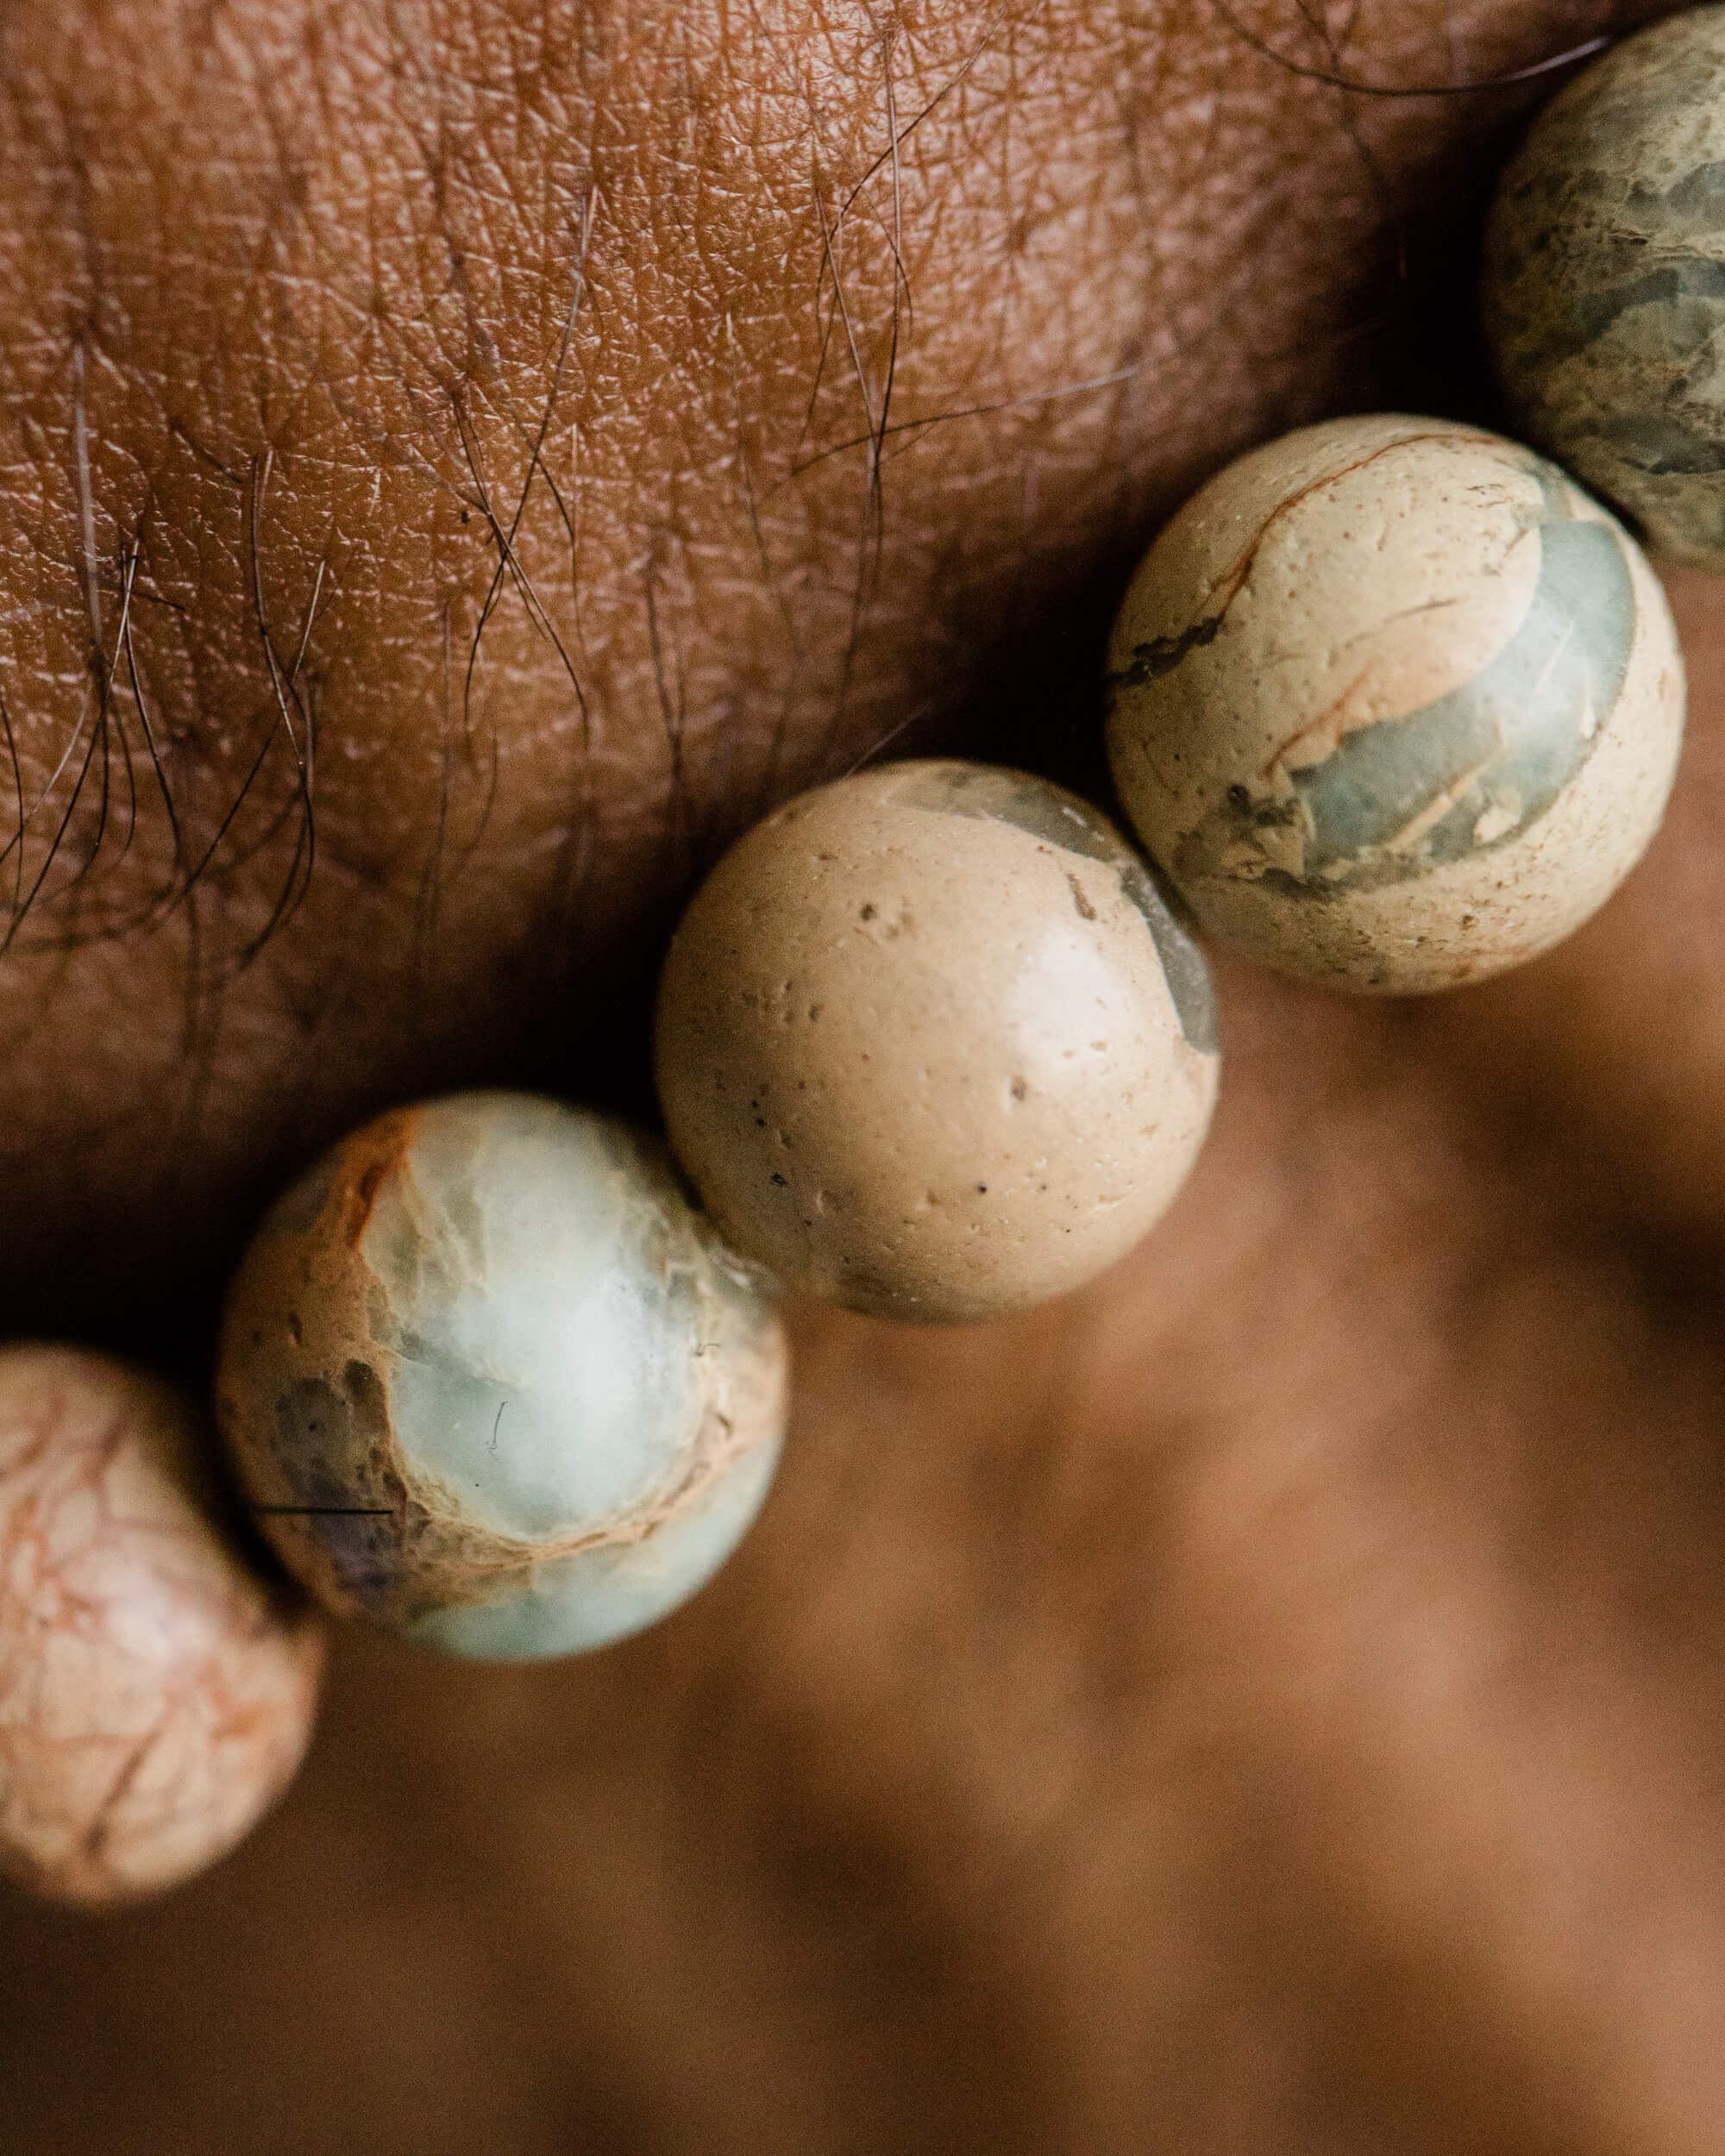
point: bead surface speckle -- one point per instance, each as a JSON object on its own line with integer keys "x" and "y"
{"x": 155, "y": 1694}
{"x": 1394, "y": 704}
{"x": 930, "y": 1044}
{"x": 490, "y": 1382}
{"x": 1604, "y": 282}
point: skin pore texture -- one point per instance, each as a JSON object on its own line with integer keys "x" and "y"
{"x": 1272, "y": 1700}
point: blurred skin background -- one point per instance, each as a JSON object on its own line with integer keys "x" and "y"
{"x": 1274, "y": 1701}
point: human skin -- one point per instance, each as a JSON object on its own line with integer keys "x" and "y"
{"x": 1269, "y": 1701}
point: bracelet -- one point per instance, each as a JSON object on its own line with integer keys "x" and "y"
{"x": 1392, "y": 704}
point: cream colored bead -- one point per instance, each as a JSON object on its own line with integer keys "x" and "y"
{"x": 1604, "y": 282}
{"x": 1394, "y": 704}
{"x": 930, "y": 1042}
{"x": 155, "y": 1694}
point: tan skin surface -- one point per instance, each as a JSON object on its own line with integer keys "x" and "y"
{"x": 1274, "y": 1701}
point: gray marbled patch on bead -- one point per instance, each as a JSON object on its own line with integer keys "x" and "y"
{"x": 1683, "y": 302}
{"x": 1615, "y": 356}
{"x": 362, "y": 1531}
{"x": 1690, "y": 288}
{"x": 1003, "y": 797}
{"x": 1632, "y": 241}
{"x": 1490, "y": 756}
{"x": 1693, "y": 206}
{"x": 1663, "y": 447}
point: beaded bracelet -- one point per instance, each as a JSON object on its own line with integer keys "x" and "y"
{"x": 1393, "y": 705}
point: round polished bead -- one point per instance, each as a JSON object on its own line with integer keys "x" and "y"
{"x": 1394, "y": 704}
{"x": 156, "y": 1693}
{"x": 930, "y": 1042}
{"x": 1604, "y": 282}
{"x": 492, "y": 1382}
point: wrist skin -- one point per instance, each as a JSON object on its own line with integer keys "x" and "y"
{"x": 476, "y": 410}
{"x": 1271, "y": 1695}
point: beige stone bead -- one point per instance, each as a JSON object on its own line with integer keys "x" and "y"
{"x": 1394, "y": 704}
{"x": 930, "y": 1042}
{"x": 1603, "y": 286}
{"x": 155, "y": 1695}
{"x": 489, "y": 1382}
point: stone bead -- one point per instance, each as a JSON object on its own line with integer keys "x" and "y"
{"x": 930, "y": 1042}
{"x": 1394, "y": 704}
{"x": 1604, "y": 282}
{"x": 490, "y": 1382}
{"x": 155, "y": 1694}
